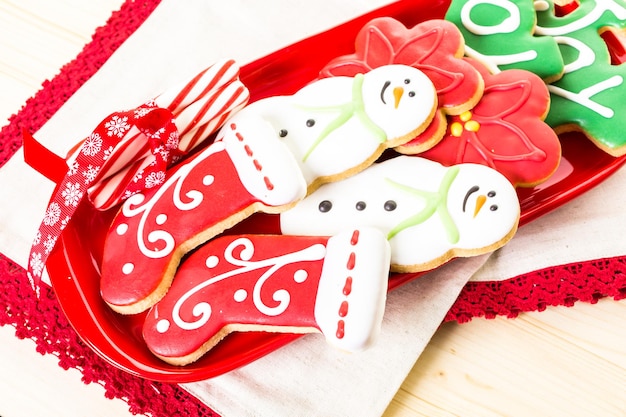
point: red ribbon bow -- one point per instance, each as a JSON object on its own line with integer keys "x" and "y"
{"x": 154, "y": 123}
{"x": 130, "y": 151}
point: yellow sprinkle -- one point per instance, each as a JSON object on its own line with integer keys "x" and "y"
{"x": 472, "y": 126}
{"x": 465, "y": 116}
{"x": 456, "y": 129}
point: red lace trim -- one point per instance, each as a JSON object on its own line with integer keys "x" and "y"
{"x": 44, "y": 323}
{"x": 562, "y": 285}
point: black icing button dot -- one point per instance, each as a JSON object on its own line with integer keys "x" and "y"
{"x": 282, "y": 133}
{"x": 325, "y": 206}
{"x": 493, "y": 208}
{"x": 411, "y": 93}
{"x": 360, "y": 206}
{"x": 390, "y": 205}
{"x": 310, "y": 122}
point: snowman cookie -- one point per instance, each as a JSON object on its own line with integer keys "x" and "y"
{"x": 336, "y": 286}
{"x": 267, "y": 157}
{"x": 435, "y": 47}
{"x": 429, "y": 213}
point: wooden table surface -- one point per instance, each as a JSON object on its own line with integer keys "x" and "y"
{"x": 560, "y": 362}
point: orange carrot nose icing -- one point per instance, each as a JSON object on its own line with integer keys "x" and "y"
{"x": 397, "y": 95}
{"x": 480, "y": 201}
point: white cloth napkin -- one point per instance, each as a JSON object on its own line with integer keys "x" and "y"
{"x": 307, "y": 378}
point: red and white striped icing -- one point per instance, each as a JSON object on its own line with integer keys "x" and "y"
{"x": 200, "y": 107}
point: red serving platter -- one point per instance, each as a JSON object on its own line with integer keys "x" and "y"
{"x": 74, "y": 264}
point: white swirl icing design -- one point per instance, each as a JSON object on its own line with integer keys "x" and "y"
{"x": 508, "y": 25}
{"x": 202, "y": 310}
{"x": 136, "y": 205}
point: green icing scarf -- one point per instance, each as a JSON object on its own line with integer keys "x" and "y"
{"x": 435, "y": 202}
{"x": 346, "y": 111}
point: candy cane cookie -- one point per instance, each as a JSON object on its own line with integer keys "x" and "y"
{"x": 336, "y": 286}
{"x": 199, "y": 105}
{"x": 267, "y": 157}
{"x": 429, "y": 213}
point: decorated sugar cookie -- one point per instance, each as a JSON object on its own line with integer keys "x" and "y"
{"x": 590, "y": 95}
{"x": 501, "y": 35}
{"x": 429, "y": 213}
{"x": 266, "y": 158}
{"x": 335, "y": 286}
{"x": 435, "y": 47}
{"x": 505, "y": 131}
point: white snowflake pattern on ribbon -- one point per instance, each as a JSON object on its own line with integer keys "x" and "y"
{"x": 36, "y": 264}
{"x": 117, "y": 126}
{"x": 90, "y": 174}
{"x": 72, "y": 194}
{"x": 92, "y": 145}
{"x": 52, "y": 215}
{"x": 155, "y": 179}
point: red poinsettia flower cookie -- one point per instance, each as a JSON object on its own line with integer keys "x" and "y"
{"x": 435, "y": 47}
{"x": 505, "y": 130}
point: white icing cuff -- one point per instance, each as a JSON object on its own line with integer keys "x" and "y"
{"x": 353, "y": 288}
{"x": 266, "y": 167}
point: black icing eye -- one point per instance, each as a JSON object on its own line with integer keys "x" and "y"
{"x": 491, "y": 194}
{"x": 407, "y": 81}
{"x": 310, "y": 123}
{"x": 325, "y": 206}
{"x": 360, "y": 206}
{"x": 282, "y": 133}
{"x": 411, "y": 93}
{"x": 390, "y": 205}
{"x": 494, "y": 207}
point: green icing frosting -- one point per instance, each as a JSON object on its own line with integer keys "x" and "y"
{"x": 436, "y": 202}
{"x": 346, "y": 111}
{"x": 591, "y": 92}
{"x": 501, "y": 33}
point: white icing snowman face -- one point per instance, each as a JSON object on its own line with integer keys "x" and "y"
{"x": 396, "y": 96}
{"x": 483, "y": 204}
{"x": 428, "y": 212}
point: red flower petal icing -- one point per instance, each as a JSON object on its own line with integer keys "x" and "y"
{"x": 505, "y": 130}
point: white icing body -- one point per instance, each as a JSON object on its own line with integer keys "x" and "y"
{"x": 324, "y": 147}
{"x": 407, "y": 185}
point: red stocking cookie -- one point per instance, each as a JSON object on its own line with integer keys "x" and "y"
{"x": 265, "y": 159}
{"x": 336, "y": 286}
